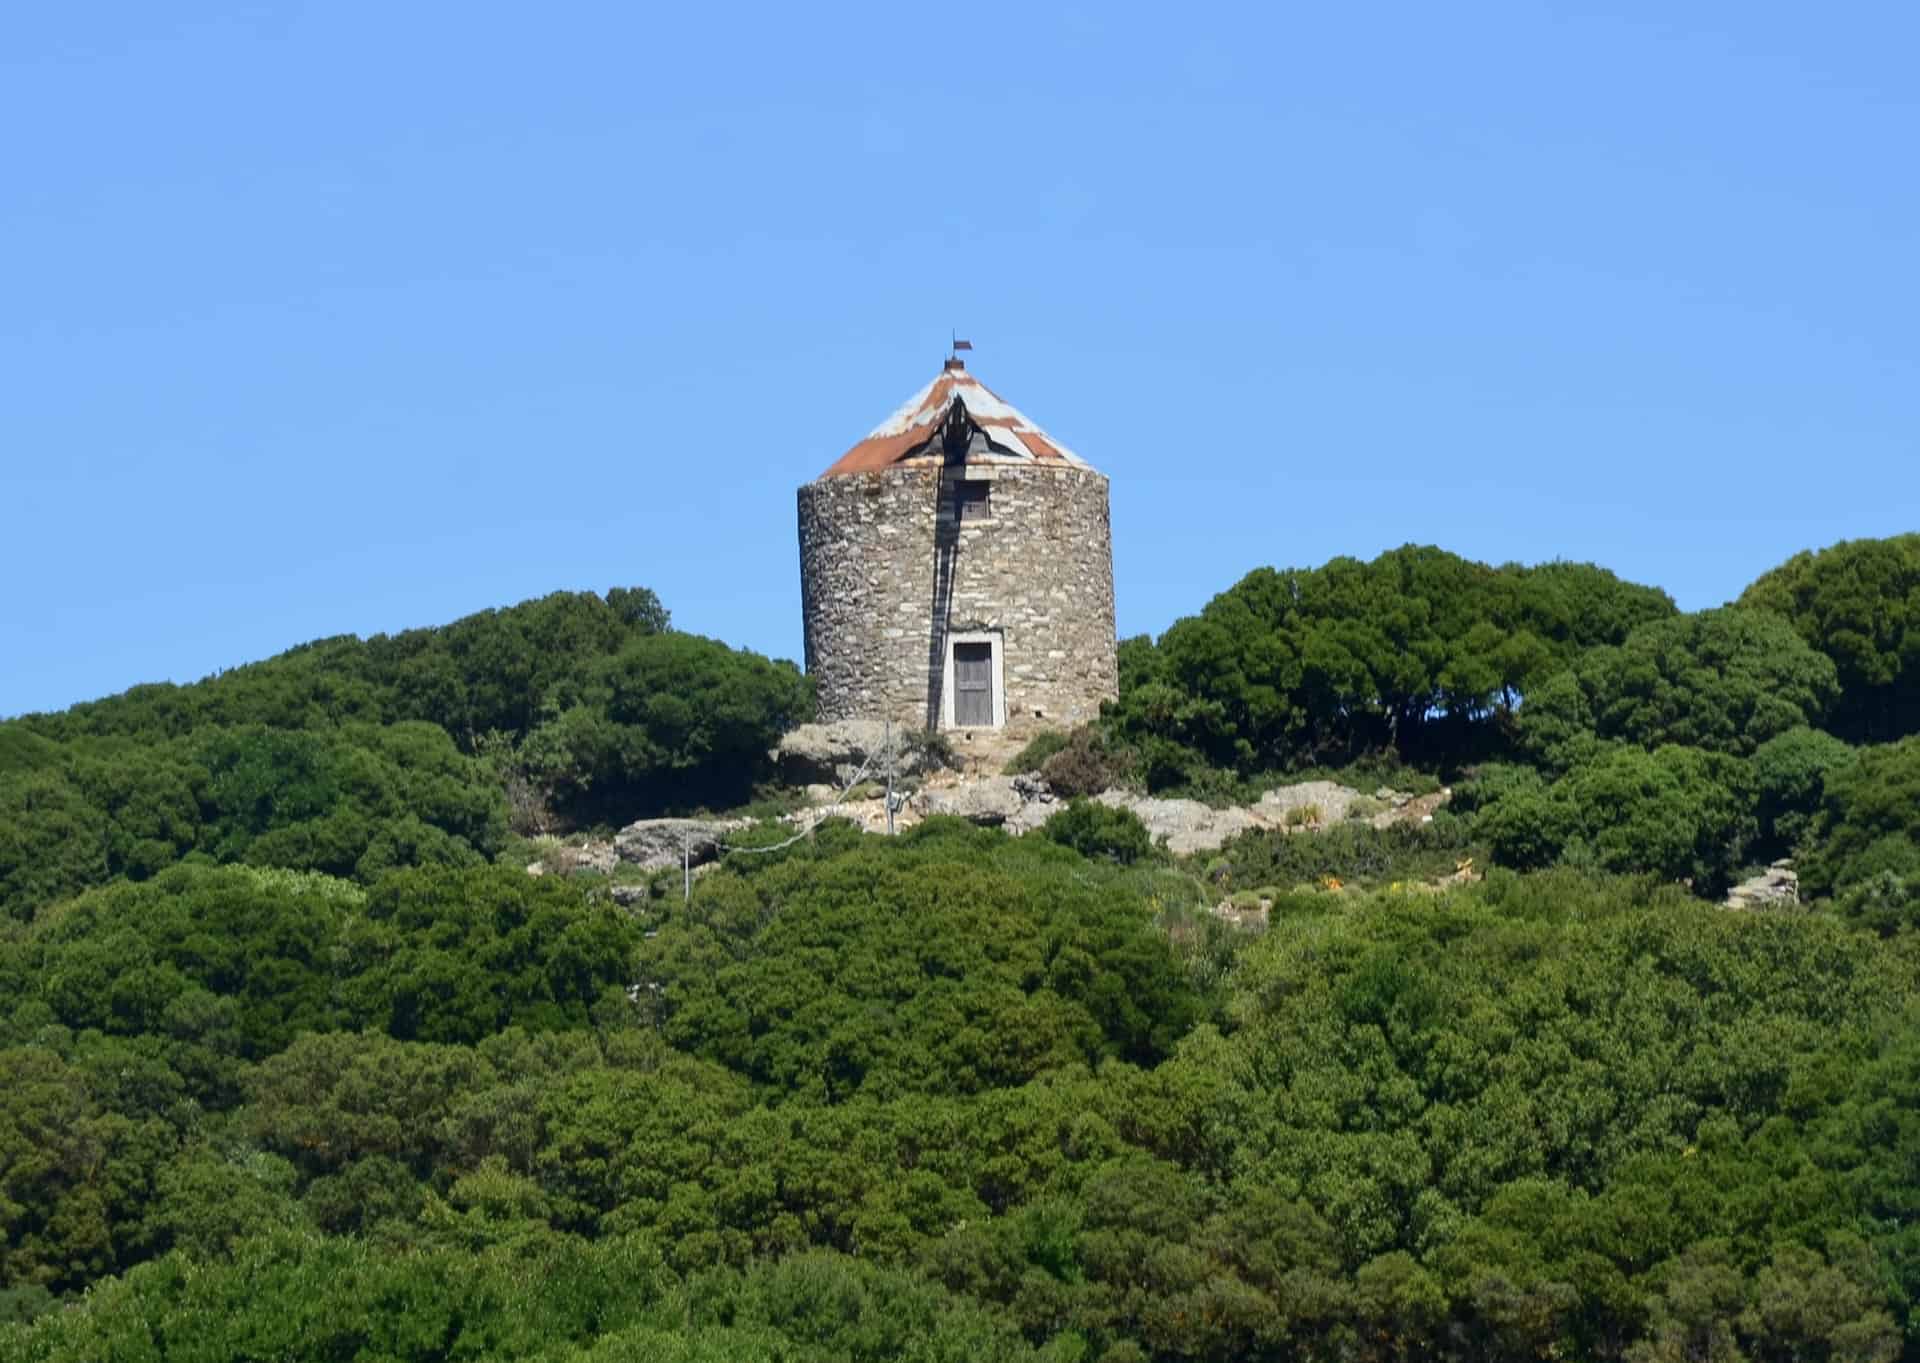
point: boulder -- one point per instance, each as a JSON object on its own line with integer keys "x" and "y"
{"x": 1016, "y": 803}
{"x": 1777, "y": 887}
{"x": 598, "y": 857}
{"x": 1412, "y": 808}
{"x": 836, "y": 754}
{"x": 1040, "y": 804}
{"x": 1332, "y": 799}
{"x": 654, "y": 844}
{"x": 1187, "y": 826}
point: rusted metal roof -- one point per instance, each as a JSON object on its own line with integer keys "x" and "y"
{"x": 912, "y": 435}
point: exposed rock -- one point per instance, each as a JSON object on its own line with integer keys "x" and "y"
{"x": 1412, "y": 808}
{"x": 628, "y": 895}
{"x": 1041, "y": 804}
{"x": 1188, "y": 826}
{"x": 1776, "y": 887}
{"x": 598, "y": 857}
{"x": 1016, "y": 803}
{"x": 1332, "y": 799}
{"x": 835, "y": 754}
{"x": 654, "y": 844}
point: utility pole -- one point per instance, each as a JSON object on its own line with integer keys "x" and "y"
{"x": 686, "y": 868}
{"x": 889, "y": 742}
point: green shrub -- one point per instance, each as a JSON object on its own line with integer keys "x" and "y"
{"x": 1349, "y": 852}
{"x": 1864, "y": 847}
{"x": 934, "y": 747}
{"x": 673, "y": 722}
{"x": 1084, "y": 765}
{"x": 1679, "y": 813}
{"x": 1099, "y": 831}
{"x": 1419, "y": 651}
{"x": 1858, "y": 602}
{"x": 1723, "y": 681}
{"x": 1790, "y": 772}
{"x": 1039, "y": 748}
{"x": 1529, "y": 826}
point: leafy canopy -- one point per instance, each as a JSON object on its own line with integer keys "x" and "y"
{"x": 1857, "y": 602}
{"x": 1723, "y": 680}
{"x": 1419, "y": 650}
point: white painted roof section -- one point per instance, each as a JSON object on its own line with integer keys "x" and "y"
{"x": 1004, "y": 435}
{"x": 918, "y": 410}
{"x": 1000, "y": 417}
{"x": 908, "y": 436}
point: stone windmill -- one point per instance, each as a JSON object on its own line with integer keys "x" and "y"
{"x": 956, "y": 570}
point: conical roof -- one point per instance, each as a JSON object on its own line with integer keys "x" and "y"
{"x": 913, "y": 433}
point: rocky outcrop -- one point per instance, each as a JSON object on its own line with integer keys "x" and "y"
{"x": 1777, "y": 887}
{"x": 837, "y": 754}
{"x": 650, "y": 845}
{"x": 655, "y": 844}
{"x": 597, "y": 857}
{"x": 1309, "y": 803}
{"x": 1019, "y": 804}
{"x": 1186, "y": 826}
{"x": 1403, "y": 808}
{"x": 1015, "y": 803}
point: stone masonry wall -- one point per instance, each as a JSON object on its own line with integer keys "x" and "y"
{"x": 1039, "y": 572}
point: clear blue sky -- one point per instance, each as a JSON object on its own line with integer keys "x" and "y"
{"x": 347, "y": 317}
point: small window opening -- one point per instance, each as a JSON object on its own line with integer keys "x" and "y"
{"x": 972, "y": 499}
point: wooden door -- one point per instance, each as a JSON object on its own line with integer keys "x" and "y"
{"x": 972, "y": 684}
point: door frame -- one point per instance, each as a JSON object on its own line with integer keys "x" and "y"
{"x": 994, "y": 640}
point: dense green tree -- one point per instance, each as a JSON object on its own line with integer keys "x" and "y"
{"x": 673, "y": 720}
{"x": 354, "y": 800}
{"x": 133, "y": 959}
{"x": 1858, "y": 602}
{"x": 951, "y": 960}
{"x": 1420, "y": 651}
{"x": 53, "y": 1144}
{"x": 458, "y": 957}
{"x": 22, "y": 751}
{"x": 155, "y": 802}
{"x": 496, "y": 670}
{"x": 207, "y": 1201}
{"x": 1543, "y": 1113}
{"x": 333, "y": 800}
{"x": 1723, "y": 680}
{"x": 1676, "y": 812}
{"x": 53, "y": 841}
{"x": 1790, "y": 774}
{"x": 1864, "y": 846}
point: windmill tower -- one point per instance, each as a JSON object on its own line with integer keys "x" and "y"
{"x": 956, "y": 570}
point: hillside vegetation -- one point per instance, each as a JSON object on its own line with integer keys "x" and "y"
{"x": 296, "y": 1061}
